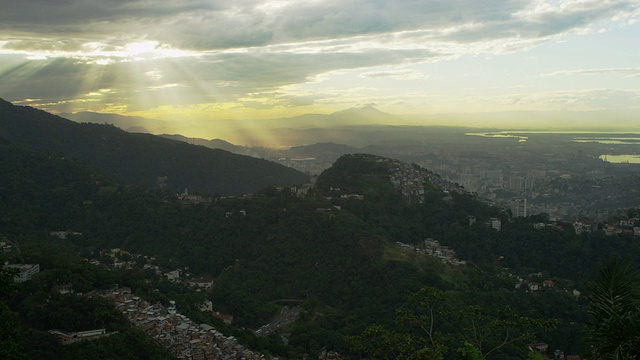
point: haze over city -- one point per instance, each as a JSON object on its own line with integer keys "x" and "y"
{"x": 205, "y": 68}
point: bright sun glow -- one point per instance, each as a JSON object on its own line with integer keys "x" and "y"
{"x": 139, "y": 48}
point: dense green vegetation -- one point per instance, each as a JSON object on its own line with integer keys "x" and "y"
{"x": 142, "y": 158}
{"x": 614, "y": 313}
{"x": 433, "y": 328}
{"x": 10, "y": 334}
{"x": 337, "y": 256}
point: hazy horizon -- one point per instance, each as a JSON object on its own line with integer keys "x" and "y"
{"x": 317, "y": 128}
{"x": 206, "y": 68}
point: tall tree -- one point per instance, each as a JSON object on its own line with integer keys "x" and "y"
{"x": 614, "y": 313}
{"x": 434, "y": 330}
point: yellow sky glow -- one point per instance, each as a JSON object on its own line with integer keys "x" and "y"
{"x": 516, "y": 64}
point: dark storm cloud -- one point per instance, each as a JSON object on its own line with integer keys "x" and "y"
{"x": 208, "y": 25}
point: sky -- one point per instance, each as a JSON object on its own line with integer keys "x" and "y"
{"x": 201, "y": 61}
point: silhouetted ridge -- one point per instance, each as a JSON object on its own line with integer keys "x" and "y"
{"x": 142, "y": 157}
{"x": 4, "y": 103}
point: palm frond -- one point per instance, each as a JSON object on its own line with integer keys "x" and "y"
{"x": 614, "y": 313}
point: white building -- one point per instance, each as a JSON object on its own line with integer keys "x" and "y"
{"x": 26, "y": 271}
{"x": 519, "y": 207}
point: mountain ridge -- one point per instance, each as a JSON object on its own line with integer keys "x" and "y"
{"x": 142, "y": 157}
{"x": 212, "y": 144}
{"x": 124, "y": 122}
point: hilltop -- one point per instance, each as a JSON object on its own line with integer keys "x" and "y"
{"x": 142, "y": 158}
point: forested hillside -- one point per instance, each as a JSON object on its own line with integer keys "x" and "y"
{"x": 142, "y": 158}
{"x": 351, "y": 252}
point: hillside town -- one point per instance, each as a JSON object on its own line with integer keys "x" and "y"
{"x": 410, "y": 180}
{"x": 565, "y": 176}
{"x": 176, "y": 332}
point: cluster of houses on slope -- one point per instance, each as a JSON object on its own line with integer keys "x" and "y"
{"x": 624, "y": 226}
{"x": 176, "y": 332}
{"x": 185, "y": 198}
{"x": 433, "y": 248}
{"x": 535, "y": 282}
{"x": 178, "y": 276}
{"x": 407, "y": 179}
{"x": 116, "y": 258}
{"x": 410, "y": 180}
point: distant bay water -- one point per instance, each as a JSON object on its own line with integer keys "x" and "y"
{"x": 626, "y": 139}
{"x": 621, "y": 159}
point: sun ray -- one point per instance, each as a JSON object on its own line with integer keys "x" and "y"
{"x": 18, "y": 73}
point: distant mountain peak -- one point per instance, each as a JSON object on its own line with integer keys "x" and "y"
{"x": 367, "y": 110}
{"x": 99, "y": 118}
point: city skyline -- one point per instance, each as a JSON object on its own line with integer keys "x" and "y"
{"x": 202, "y": 63}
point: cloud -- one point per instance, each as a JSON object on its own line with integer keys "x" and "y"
{"x": 201, "y": 51}
{"x": 224, "y": 77}
{"x": 629, "y": 72}
{"x": 394, "y": 74}
{"x": 588, "y": 99}
{"x": 216, "y": 25}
